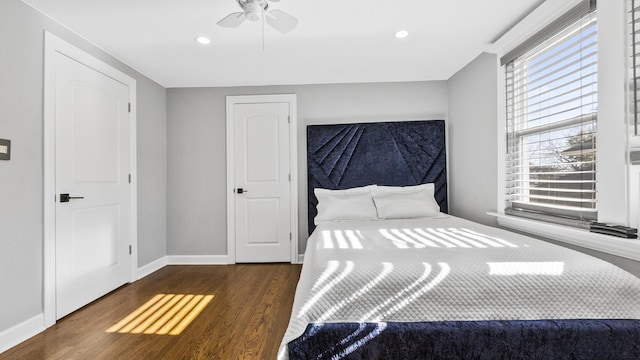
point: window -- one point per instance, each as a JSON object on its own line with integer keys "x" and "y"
{"x": 551, "y": 107}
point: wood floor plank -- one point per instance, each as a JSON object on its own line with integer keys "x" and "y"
{"x": 245, "y": 319}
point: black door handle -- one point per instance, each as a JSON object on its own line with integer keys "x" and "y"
{"x": 241, "y": 190}
{"x": 66, "y": 197}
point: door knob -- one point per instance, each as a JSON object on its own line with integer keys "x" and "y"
{"x": 241, "y": 190}
{"x": 66, "y": 197}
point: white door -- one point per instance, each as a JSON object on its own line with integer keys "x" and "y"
{"x": 262, "y": 182}
{"x": 92, "y": 166}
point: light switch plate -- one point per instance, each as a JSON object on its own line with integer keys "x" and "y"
{"x": 5, "y": 149}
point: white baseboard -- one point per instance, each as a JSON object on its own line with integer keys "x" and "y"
{"x": 21, "y": 332}
{"x": 158, "y": 264}
{"x": 197, "y": 260}
{"x": 151, "y": 267}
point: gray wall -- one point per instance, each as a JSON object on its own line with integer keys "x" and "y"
{"x": 21, "y": 178}
{"x": 473, "y": 140}
{"x": 197, "y": 150}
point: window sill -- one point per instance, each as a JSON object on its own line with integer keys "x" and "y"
{"x": 629, "y": 249}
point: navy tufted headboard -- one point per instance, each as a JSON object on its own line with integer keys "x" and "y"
{"x": 389, "y": 153}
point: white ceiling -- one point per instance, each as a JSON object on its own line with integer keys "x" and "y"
{"x": 336, "y": 41}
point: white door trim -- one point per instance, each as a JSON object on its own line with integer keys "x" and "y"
{"x": 53, "y": 45}
{"x": 293, "y": 161}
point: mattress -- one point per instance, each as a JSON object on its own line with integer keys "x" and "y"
{"x": 447, "y": 269}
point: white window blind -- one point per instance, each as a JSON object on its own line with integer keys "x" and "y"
{"x": 551, "y": 106}
{"x": 634, "y": 40}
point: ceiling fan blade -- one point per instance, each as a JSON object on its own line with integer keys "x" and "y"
{"x": 281, "y": 21}
{"x": 232, "y": 20}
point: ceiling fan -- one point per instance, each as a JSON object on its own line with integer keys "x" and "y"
{"x": 254, "y": 10}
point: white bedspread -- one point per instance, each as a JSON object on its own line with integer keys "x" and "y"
{"x": 450, "y": 269}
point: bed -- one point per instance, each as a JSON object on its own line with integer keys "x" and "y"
{"x": 434, "y": 286}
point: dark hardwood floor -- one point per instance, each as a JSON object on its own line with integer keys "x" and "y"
{"x": 245, "y": 319}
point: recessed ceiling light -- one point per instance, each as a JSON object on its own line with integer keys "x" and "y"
{"x": 402, "y": 34}
{"x": 203, "y": 40}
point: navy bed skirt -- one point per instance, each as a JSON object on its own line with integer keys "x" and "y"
{"x": 513, "y": 339}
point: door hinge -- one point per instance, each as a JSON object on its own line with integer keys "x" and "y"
{"x": 289, "y": 119}
{"x": 129, "y": 178}
{"x": 289, "y": 177}
{"x": 129, "y": 249}
{"x": 290, "y": 236}
{"x": 129, "y": 108}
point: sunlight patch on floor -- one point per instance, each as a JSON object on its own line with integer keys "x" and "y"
{"x": 164, "y": 314}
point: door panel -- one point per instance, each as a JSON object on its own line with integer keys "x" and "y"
{"x": 262, "y": 141}
{"x": 92, "y": 157}
{"x": 96, "y": 133}
{"x": 262, "y": 215}
{"x": 262, "y": 168}
{"x": 95, "y": 231}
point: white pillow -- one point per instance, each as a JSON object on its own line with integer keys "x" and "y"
{"x": 430, "y": 187}
{"x": 405, "y": 202}
{"x": 342, "y": 205}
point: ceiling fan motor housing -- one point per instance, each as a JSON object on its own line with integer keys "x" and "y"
{"x": 253, "y": 8}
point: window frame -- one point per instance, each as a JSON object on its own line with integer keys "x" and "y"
{"x": 618, "y": 193}
{"x": 577, "y": 216}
